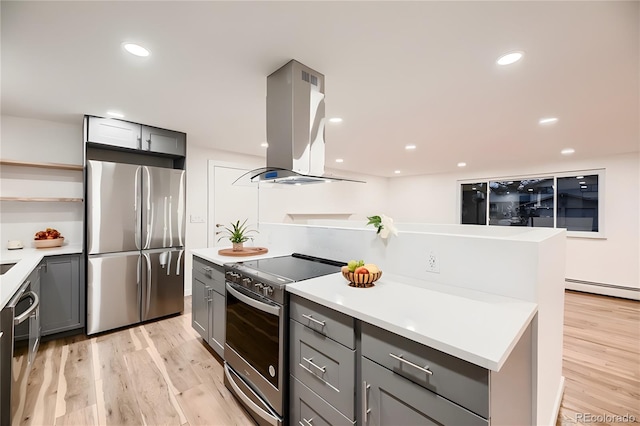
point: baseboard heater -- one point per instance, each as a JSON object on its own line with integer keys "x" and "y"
{"x": 619, "y": 287}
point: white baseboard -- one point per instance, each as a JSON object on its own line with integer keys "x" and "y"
{"x": 603, "y": 289}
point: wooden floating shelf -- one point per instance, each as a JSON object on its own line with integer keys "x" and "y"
{"x": 42, "y": 199}
{"x": 58, "y": 166}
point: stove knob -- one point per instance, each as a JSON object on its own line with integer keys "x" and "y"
{"x": 246, "y": 281}
{"x": 267, "y": 290}
{"x": 259, "y": 286}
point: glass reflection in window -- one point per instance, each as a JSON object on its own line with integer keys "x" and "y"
{"x": 578, "y": 203}
{"x": 474, "y": 204}
{"x": 527, "y": 202}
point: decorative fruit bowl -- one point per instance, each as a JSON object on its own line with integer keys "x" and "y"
{"x": 52, "y": 242}
{"x": 362, "y": 279}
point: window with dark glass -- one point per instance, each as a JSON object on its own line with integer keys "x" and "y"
{"x": 577, "y": 203}
{"x": 474, "y": 204}
{"x": 527, "y": 202}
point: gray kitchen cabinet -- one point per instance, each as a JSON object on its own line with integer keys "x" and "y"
{"x": 390, "y": 399}
{"x": 134, "y": 136}
{"x": 164, "y": 141}
{"x": 116, "y": 133}
{"x": 208, "y": 315}
{"x": 460, "y": 381}
{"x": 62, "y": 306}
{"x": 323, "y": 364}
{"x": 307, "y": 408}
{"x": 200, "y": 308}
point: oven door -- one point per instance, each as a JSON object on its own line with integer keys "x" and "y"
{"x": 254, "y": 346}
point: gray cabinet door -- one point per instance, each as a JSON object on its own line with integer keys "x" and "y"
{"x": 217, "y": 321}
{"x": 200, "y": 308}
{"x": 390, "y": 399}
{"x": 61, "y": 294}
{"x": 163, "y": 141}
{"x": 108, "y": 131}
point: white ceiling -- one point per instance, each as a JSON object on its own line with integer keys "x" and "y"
{"x": 398, "y": 73}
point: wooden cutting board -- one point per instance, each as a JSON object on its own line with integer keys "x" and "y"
{"x": 246, "y": 251}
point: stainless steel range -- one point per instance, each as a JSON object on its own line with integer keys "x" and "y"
{"x": 256, "y": 355}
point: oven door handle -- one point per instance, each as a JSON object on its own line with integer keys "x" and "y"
{"x": 264, "y": 307}
{"x": 32, "y": 309}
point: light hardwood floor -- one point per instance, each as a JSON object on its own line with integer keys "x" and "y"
{"x": 159, "y": 373}
{"x": 162, "y": 374}
{"x": 601, "y": 359}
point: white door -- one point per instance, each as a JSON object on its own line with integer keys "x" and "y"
{"x": 229, "y": 203}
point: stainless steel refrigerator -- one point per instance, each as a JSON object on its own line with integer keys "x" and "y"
{"x": 135, "y": 243}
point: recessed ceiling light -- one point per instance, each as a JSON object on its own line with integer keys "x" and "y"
{"x": 462, "y": 164}
{"x": 265, "y": 144}
{"x": 567, "y": 151}
{"x": 335, "y": 120}
{"x": 509, "y": 58}
{"x": 115, "y": 114}
{"x": 410, "y": 147}
{"x": 136, "y": 49}
{"x": 547, "y": 120}
{"x": 339, "y": 160}
{"x": 396, "y": 172}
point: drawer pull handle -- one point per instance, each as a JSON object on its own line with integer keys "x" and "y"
{"x": 207, "y": 269}
{"x": 424, "y": 369}
{"x": 313, "y": 364}
{"x": 310, "y": 318}
{"x": 365, "y": 398}
{"x": 306, "y": 422}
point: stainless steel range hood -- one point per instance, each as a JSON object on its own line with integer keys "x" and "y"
{"x": 295, "y": 128}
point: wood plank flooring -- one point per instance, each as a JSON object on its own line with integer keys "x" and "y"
{"x": 601, "y": 360}
{"x": 162, "y": 374}
{"x": 158, "y": 373}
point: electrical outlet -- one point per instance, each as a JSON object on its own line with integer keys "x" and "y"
{"x": 433, "y": 264}
{"x": 196, "y": 219}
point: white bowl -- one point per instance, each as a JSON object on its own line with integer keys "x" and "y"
{"x": 56, "y": 242}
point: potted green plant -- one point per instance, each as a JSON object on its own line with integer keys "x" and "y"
{"x": 238, "y": 234}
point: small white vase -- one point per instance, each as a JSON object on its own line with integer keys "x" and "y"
{"x": 238, "y": 246}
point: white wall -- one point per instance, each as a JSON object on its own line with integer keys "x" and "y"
{"x": 275, "y": 201}
{"x": 47, "y": 142}
{"x": 613, "y": 260}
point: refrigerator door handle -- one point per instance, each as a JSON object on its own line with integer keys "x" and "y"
{"x": 148, "y": 301}
{"x": 139, "y": 279}
{"x": 149, "y": 207}
{"x": 136, "y": 211}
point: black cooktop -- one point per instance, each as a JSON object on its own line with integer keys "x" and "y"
{"x": 296, "y": 267}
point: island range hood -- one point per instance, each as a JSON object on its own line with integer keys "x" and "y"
{"x": 295, "y": 128}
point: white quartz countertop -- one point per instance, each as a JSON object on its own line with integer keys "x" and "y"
{"x": 26, "y": 260}
{"x": 211, "y": 254}
{"x": 477, "y": 327}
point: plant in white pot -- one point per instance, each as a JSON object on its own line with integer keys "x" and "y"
{"x": 238, "y": 234}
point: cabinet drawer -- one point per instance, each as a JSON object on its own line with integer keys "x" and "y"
{"x": 307, "y": 408}
{"x": 324, "y": 366}
{"x": 390, "y": 399}
{"x": 333, "y": 324}
{"x": 209, "y": 273}
{"x": 455, "y": 379}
